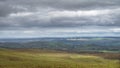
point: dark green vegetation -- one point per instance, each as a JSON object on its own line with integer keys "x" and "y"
{"x": 66, "y": 44}
{"x": 63, "y": 46}
{"x": 34, "y": 58}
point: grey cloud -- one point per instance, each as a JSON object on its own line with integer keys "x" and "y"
{"x": 10, "y": 6}
{"x": 69, "y": 4}
{"x": 5, "y": 10}
{"x": 65, "y": 4}
{"x": 2, "y": 0}
{"x": 13, "y": 6}
{"x": 60, "y": 22}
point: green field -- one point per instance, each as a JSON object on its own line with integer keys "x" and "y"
{"x": 52, "y": 59}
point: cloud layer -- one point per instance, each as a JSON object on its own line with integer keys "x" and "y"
{"x": 39, "y": 15}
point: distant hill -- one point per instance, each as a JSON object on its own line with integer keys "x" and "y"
{"x": 73, "y": 44}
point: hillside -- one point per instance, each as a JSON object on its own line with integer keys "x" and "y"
{"x": 33, "y": 58}
{"x": 76, "y": 44}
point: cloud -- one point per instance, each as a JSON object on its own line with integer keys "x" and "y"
{"x": 23, "y": 15}
{"x": 65, "y": 32}
{"x": 4, "y": 10}
{"x": 10, "y": 6}
{"x": 60, "y": 19}
{"x": 79, "y": 13}
{"x": 67, "y": 4}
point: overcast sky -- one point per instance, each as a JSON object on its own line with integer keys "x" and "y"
{"x": 59, "y": 18}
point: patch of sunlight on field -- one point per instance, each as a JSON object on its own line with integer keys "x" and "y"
{"x": 17, "y": 59}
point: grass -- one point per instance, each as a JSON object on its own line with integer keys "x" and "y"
{"x": 52, "y": 59}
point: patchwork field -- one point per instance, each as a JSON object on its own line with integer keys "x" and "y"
{"x": 32, "y": 58}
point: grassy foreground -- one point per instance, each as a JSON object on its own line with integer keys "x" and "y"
{"x": 51, "y": 59}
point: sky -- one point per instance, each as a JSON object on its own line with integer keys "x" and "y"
{"x": 59, "y": 18}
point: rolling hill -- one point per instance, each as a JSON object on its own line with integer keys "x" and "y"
{"x": 33, "y": 58}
